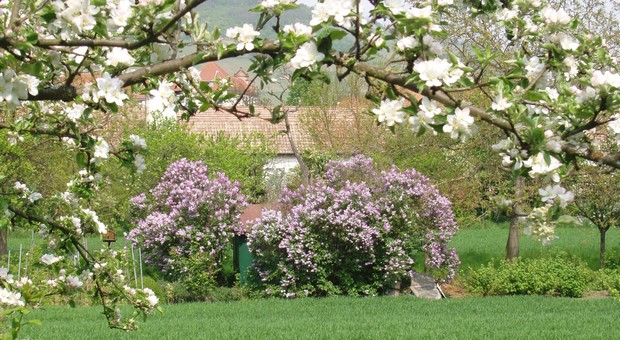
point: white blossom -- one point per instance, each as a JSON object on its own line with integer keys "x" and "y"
{"x": 111, "y": 89}
{"x": 557, "y": 194}
{"x": 552, "y": 16}
{"x": 50, "y": 259}
{"x": 101, "y": 150}
{"x": 506, "y": 14}
{"x": 420, "y": 13}
{"x": 538, "y": 166}
{"x": 599, "y": 79}
{"x": 390, "y": 112}
{"x": 436, "y": 71}
{"x": 101, "y": 228}
{"x": 534, "y": 67}
{"x": 139, "y": 163}
{"x": 80, "y": 14}
{"x": 460, "y": 124}
{"x": 567, "y": 42}
{"x": 396, "y": 6}
{"x": 425, "y": 116}
{"x": 119, "y": 56}
{"x": 9, "y": 298}
{"x": 298, "y": 29}
{"x": 407, "y": 43}
{"x": 244, "y": 35}
{"x": 552, "y": 93}
{"x": 75, "y": 111}
{"x": 306, "y": 55}
{"x": 339, "y": 10}
{"x": 74, "y": 281}
{"x": 137, "y": 142}
{"x": 120, "y": 13}
{"x": 500, "y": 103}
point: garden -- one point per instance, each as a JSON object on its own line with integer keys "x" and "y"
{"x": 476, "y": 145}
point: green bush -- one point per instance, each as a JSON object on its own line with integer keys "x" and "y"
{"x": 153, "y": 285}
{"x": 557, "y": 275}
{"x": 608, "y": 280}
{"x": 612, "y": 259}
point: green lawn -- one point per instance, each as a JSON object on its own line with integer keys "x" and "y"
{"x": 477, "y": 245}
{"x": 352, "y": 318}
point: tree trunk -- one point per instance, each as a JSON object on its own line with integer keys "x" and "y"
{"x": 305, "y": 172}
{"x": 512, "y": 245}
{"x": 601, "y": 262}
{"x": 4, "y": 249}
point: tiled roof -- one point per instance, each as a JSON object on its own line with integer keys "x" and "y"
{"x": 212, "y": 122}
{"x": 212, "y": 70}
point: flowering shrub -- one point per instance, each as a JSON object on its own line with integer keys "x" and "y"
{"x": 187, "y": 221}
{"x": 353, "y": 233}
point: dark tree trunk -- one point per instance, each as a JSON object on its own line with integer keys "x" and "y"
{"x": 4, "y": 249}
{"x": 512, "y": 245}
{"x": 601, "y": 262}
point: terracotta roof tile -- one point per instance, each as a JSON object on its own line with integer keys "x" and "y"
{"x": 213, "y": 122}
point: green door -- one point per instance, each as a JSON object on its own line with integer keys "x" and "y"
{"x": 243, "y": 258}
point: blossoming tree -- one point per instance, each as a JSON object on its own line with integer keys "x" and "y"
{"x": 66, "y": 62}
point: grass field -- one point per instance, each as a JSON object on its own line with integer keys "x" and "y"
{"x": 372, "y": 318}
{"x": 477, "y": 245}
{"x": 352, "y": 318}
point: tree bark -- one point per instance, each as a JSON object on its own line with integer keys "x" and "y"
{"x": 4, "y": 249}
{"x": 601, "y": 262}
{"x": 518, "y": 212}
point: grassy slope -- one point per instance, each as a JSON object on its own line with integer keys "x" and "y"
{"x": 351, "y": 318}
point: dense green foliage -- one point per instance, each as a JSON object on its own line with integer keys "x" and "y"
{"x": 551, "y": 276}
{"x": 241, "y": 159}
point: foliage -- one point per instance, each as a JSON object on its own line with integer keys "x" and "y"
{"x": 606, "y": 280}
{"x": 354, "y": 233}
{"x": 187, "y": 222}
{"x": 557, "y": 275}
{"x": 602, "y": 210}
{"x": 242, "y": 159}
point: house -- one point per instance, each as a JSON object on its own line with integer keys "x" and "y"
{"x": 211, "y": 71}
{"x": 311, "y": 128}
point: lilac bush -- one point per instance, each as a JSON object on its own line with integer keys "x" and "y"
{"x": 188, "y": 219}
{"x": 355, "y": 232}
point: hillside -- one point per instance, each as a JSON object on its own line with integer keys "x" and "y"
{"x": 230, "y": 13}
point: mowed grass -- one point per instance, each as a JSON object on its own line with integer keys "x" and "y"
{"x": 352, "y": 318}
{"x": 478, "y": 244}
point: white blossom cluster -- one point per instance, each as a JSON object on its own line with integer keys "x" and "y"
{"x": 15, "y": 88}
{"x": 27, "y": 194}
{"x": 245, "y": 36}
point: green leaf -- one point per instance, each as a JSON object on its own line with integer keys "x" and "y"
{"x": 337, "y": 34}
{"x": 82, "y": 159}
{"x": 34, "y": 322}
{"x": 535, "y": 96}
{"x": 4, "y": 204}
{"x": 32, "y": 37}
{"x": 48, "y": 15}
